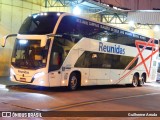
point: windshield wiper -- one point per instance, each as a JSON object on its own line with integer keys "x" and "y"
{"x": 54, "y": 35}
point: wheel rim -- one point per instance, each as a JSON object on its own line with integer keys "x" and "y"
{"x": 135, "y": 81}
{"x": 73, "y": 82}
{"x": 142, "y": 82}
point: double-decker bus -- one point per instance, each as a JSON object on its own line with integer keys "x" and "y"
{"x": 53, "y": 49}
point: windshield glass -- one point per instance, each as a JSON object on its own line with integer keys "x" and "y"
{"x": 39, "y": 24}
{"x": 28, "y": 54}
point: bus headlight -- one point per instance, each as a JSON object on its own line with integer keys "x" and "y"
{"x": 41, "y": 82}
{"x": 40, "y": 74}
{"x": 12, "y": 71}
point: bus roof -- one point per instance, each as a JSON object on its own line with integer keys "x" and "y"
{"x": 63, "y": 14}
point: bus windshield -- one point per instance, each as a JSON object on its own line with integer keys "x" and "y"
{"x": 39, "y": 24}
{"x": 28, "y": 54}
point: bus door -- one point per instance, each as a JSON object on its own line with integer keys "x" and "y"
{"x": 83, "y": 62}
{"x": 98, "y": 72}
{"x": 56, "y": 59}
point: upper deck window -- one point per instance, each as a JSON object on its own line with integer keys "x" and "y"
{"x": 39, "y": 24}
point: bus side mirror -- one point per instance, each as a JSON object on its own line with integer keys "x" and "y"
{"x": 3, "y": 40}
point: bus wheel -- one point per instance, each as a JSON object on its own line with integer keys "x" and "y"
{"x": 73, "y": 82}
{"x": 143, "y": 79}
{"x": 135, "y": 80}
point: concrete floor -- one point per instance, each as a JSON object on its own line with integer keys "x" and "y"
{"x": 96, "y": 100}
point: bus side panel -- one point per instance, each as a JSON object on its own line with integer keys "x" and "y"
{"x": 84, "y": 77}
{"x": 153, "y": 73}
{"x": 100, "y": 76}
{"x": 55, "y": 78}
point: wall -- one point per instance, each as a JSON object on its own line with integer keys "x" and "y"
{"x": 12, "y": 14}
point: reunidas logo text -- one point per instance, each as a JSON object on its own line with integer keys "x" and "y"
{"x": 111, "y": 49}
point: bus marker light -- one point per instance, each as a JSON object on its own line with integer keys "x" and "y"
{"x": 45, "y": 13}
{"x": 41, "y": 14}
{"x": 58, "y": 14}
{"x": 63, "y": 82}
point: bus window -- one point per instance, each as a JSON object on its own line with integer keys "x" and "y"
{"x": 107, "y": 61}
{"x": 95, "y": 60}
{"x": 69, "y": 30}
{"x": 56, "y": 58}
{"x": 62, "y": 46}
{"x": 38, "y": 24}
{"x": 158, "y": 70}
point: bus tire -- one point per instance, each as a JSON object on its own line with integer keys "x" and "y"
{"x": 142, "y": 81}
{"x": 135, "y": 80}
{"x": 73, "y": 82}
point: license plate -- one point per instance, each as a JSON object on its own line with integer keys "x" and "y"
{"x": 23, "y": 79}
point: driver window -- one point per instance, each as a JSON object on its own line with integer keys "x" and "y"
{"x": 56, "y": 58}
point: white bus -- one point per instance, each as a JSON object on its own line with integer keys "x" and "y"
{"x": 64, "y": 50}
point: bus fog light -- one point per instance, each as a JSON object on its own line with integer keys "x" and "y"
{"x": 40, "y": 74}
{"x": 86, "y": 81}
